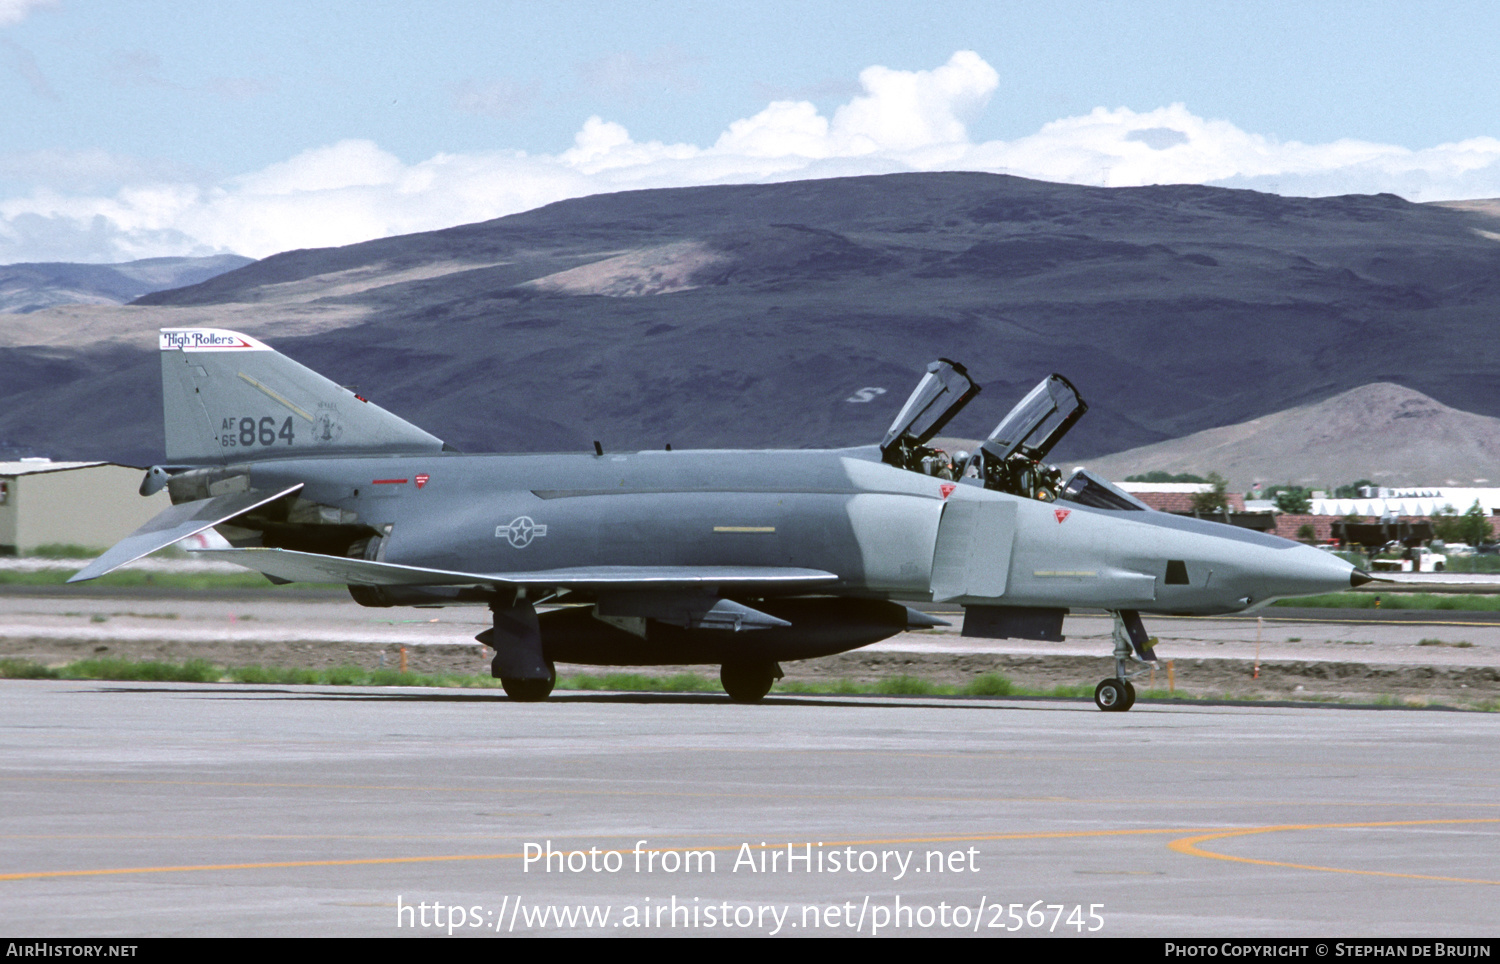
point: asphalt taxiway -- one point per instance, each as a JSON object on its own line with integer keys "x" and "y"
{"x": 142, "y": 809}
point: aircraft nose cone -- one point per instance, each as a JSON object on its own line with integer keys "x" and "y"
{"x": 1358, "y": 578}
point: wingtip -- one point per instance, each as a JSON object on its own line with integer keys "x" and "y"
{"x": 86, "y": 573}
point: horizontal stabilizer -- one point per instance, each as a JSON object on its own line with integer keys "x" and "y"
{"x": 310, "y": 567}
{"x": 178, "y": 522}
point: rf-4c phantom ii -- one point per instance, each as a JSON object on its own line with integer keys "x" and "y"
{"x": 740, "y": 558}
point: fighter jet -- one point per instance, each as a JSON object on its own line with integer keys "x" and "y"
{"x": 744, "y": 559}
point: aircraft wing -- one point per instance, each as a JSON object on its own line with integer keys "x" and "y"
{"x": 296, "y": 566}
{"x": 178, "y": 522}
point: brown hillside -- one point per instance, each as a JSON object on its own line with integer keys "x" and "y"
{"x": 1384, "y": 432}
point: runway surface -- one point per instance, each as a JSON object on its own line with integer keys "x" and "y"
{"x": 144, "y": 809}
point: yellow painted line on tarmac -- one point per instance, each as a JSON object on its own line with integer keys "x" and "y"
{"x": 1190, "y": 846}
{"x": 449, "y": 858}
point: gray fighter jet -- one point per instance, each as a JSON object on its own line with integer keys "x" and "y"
{"x": 738, "y": 558}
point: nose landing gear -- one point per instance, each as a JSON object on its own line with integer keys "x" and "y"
{"x": 1116, "y": 694}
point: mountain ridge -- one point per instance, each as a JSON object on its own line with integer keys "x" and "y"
{"x": 1383, "y": 432}
{"x": 30, "y": 287}
{"x": 760, "y": 315}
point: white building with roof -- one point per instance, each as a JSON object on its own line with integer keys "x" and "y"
{"x": 1411, "y": 501}
{"x": 88, "y": 504}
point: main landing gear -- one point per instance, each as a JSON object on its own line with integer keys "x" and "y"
{"x": 523, "y": 669}
{"x": 749, "y": 682}
{"x": 1116, "y": 694}
{"x": 529, "y": 690}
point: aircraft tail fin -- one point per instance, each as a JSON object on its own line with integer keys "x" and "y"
{"x": 230, "y": 397}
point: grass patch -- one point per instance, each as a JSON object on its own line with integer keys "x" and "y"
{"x": 345, "y": 675}
{"x": 193, "y": 671}
{"x": 25, "y": 669}
{"x": 909, "y": 686}
{"x": 639, "y": 683}
{"x": 1395, "y": 600}
{"x": 988, "y": 684}
{"x": 1474, "y": 563}
{"x": 270, "y": 674}
{"x": 1461, "y": 644}
{"x": 64, "y": 550}
{"x": 841, "y": 687}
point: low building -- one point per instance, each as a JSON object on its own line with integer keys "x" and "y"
{"x": 87, "y": 504}
{"x": 1414, "y": 501}
{"x": 1177, "y": 496}
{"x": 1288, "y": 526}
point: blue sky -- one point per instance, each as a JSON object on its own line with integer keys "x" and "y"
{"x": 136, "y": 128}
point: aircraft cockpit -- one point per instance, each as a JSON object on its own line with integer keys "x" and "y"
{"x": 1011, "y": 459}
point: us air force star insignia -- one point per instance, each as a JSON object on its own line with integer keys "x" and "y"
{"x": 521, "y": 531}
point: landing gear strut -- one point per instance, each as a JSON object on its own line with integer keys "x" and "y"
{"x": 1116, "y": 694}
{"x": 749, "y": 682}
{"x": 521, "y": 666}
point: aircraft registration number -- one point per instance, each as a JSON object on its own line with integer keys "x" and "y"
{"x": 247, "y": 432}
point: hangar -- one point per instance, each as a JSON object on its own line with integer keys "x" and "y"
{"x": 88, "y": 504}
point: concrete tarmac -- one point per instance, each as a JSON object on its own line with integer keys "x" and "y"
{"x": 156, "y": 809}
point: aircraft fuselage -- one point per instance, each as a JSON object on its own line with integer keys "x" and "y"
{"x": 878, "y": 528}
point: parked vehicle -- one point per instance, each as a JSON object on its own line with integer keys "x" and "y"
{"x": 1415, "y": 560}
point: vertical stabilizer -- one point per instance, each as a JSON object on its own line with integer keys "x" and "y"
{"x": 229, "y": 397}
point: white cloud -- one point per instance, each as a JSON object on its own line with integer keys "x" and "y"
{"x": 784, "y": 128}
{"x": 14, "y": 11}
{"x": 907, "y": 110}
{"x": 499, "y": 99}
{"x": 900, "y": 121}
{"x": 628, "y": 77}
{"x": 349, "y": 163}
